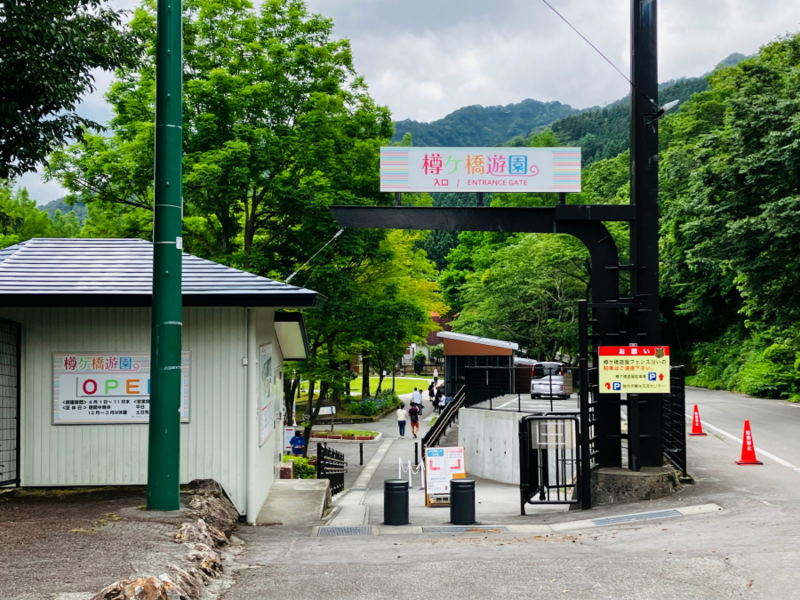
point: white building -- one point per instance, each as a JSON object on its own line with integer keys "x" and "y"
{"x": 74, "y": 368}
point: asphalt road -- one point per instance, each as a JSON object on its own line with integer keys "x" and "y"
{"x": 750, "y": 549}
{"x": 775, "y": 424}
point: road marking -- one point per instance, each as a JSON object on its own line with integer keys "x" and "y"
{"x": 761, "y": 451}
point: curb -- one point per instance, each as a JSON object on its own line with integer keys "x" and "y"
{"x": 377, "y": 439}
{"x": 537, "y": 529}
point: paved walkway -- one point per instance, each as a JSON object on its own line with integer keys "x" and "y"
{"x": 363, "y": 504}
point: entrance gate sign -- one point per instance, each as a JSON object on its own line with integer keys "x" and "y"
{"x": 480, "y": 169}
{"x": 95, "y": 388}
{"x": 634, "y": 369}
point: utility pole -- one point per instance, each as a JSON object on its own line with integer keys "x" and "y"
{"x": 163, "y": 462}
{"x": 646, "y": 429}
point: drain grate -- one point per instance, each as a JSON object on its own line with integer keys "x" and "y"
{"x": 465, "y": 529}
{"x": 657, "y": 514}
{"x": 344, "y": 531}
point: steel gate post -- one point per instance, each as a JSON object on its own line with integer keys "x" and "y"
{"x": 585, "y": 472}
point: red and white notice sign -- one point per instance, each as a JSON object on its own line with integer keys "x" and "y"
{"x": 634, "y": 369}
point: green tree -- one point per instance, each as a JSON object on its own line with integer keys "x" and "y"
{"x": 21, "y": 219}
{"x": 48, "y": 51}
{"x": 529, "y": 295}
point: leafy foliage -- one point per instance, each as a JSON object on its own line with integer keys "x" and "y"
{"x": 21, "y": 219}
{"x": 48, "y": 51}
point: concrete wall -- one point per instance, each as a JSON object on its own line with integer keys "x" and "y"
{"x": 491, "y": 443}
{"x": 213, "y": 445}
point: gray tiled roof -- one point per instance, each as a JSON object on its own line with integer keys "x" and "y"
{"x": 118, "y": 272}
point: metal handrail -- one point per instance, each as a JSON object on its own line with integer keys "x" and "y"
{"x": 444, "y": 420}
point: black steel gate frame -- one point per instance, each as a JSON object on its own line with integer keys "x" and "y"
{"x": 526, "y": 489}
{"x": 331, "y": 466}
{"x": 17, "y": 442}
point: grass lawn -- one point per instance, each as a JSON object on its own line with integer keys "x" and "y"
{"x": 401, "y": 386}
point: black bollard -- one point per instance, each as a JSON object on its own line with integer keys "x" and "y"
{"x": 361, "y": 454}
{"x": 416, "y": 454}
{"x": 395, "y": 502}
{"x": 462, "y": 501}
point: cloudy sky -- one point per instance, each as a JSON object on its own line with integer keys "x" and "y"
{"x": 426, "y": 58}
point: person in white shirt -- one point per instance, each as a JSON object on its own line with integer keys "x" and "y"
{"x": 402, "y": 416}
{"x": 435, "y": 376}
{"x": 416, "y": 398}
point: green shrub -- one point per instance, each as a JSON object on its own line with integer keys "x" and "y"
{"x": 780, "y": 354}
{"x": 302, "y": 468}
{"x": 375, "y": 406}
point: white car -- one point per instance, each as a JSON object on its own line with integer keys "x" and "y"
{"x": 551, "y": 380}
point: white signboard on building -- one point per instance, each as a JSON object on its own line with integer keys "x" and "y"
{"x": 93, "y": 388}
{"x": 480, "y": 169}
{"x": 266, "y": 393}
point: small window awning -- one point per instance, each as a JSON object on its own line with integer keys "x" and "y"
{"x": 292, "y": 336}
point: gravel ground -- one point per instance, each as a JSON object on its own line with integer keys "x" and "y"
{"x": 70, "y": 541}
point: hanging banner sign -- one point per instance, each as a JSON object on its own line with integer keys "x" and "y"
{"x": 94, "y": 388}
{"x": 480, "y": 169}
{"x": 634, "y": 369}
{"x": 442, "y": 465}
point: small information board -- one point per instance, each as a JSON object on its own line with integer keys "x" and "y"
{"x": 634, "y": 369}
{"x": 442, "y": 465}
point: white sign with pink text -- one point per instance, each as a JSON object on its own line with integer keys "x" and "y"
{"x": 480, "y": 169}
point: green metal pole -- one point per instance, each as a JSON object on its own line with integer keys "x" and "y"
{"x": 163, "y": 463}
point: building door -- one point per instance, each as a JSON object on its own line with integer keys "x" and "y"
{"x": 10, "y": 363}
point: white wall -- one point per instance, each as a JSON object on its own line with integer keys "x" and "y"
{"x": 264, "y": 461}
{"x": 491, "y": 443}
{"x": 213, "y": 444}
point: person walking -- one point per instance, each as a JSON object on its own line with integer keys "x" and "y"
{"x": 437, "y": 400}
{"x": 431, "y": 391}
{"x": 435, "y": 375}
{"x": 416, "y": 398}
{"x": 402, "y": 416}
{"x": 413, "y": 414}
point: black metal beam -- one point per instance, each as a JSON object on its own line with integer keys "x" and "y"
{"x": 504, "y": 219}
{"x": 644, "y": 237}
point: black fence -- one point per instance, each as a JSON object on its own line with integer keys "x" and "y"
{"x": 447, "y": 417}
{"x": 485, "y": 384}
{"x": 675, "y": 421}
{"x": 331, "y": 466}
{"x": 549, "y": 459}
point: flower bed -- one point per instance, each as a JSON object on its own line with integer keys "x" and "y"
{"x": 346, "y": 434}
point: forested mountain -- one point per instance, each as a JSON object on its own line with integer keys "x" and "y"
{"x": 600, "y": 132}
{"x": 79, "y": 209}
{"x": 604, "y": 133}
{"x": 483, "y": 125}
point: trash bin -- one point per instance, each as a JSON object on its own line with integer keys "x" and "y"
{"x": 395, "y": 502}
{"x": 462, "y": 501}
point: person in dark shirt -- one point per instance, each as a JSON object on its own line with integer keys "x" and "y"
{"x": 437, "y": 400}
{"x": 298, "y": 442}
{"x": 413, "y": 414}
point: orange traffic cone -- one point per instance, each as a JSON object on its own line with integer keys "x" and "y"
{"x": 697, "y": 426}
{"x": 748, "y": 448}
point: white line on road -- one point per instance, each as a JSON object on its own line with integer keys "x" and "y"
{"x": 761, "y": 451}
